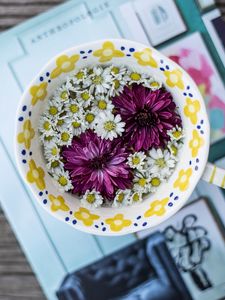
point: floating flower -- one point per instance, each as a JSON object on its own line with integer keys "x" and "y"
{"x": 62, "y": 94}
{"x": 64, "y": 64}
{"x": 38, "y": 92}
{"x": 55, "y": 166}
{"x": 155, "y": 181}
{"x": 65, "y": 137}
{"x": 161, "y": 161}
{"x": 90, "y": 118}
{"x": 196, "y": 143}
{"x": 92, "y": 199}
{"x": 100, "y": 80}
{"x": 109, "y": 126}
{"x": 174, "y": 78}
{"x": 102, "y": 104}
{"x": 122, "y": 198}
{"x": 58, "y": 203}
{"x": 136, "y": 197}
{"x": 174, "y": 147}
{"x": 183, "y": 179}
{"x": 176, "y": 133}
{"x": 147, "y": 114}
{"x": 36, "y": 175}
{"x": 45, "y": 126}
{"x": 63, "y": 181}
{"x": 157, "y": 208}
{"x": 145, "y": 58}
{"x": 84, "y": 215}
{"x": 136, "y": 77}
{"x": 191, "y": 110}
{"x": 78, "y": 126}
{"x": 26, "y": 135}
{"x": 84, "y": 97}
{"x": 97, "y": 164}
{"x": 107, "y": 52}
{"x": 52, "y": 151}
{"x": 136, "y": 160}
{"x": 141, "y": 183}
{"x": 118, "y": 222}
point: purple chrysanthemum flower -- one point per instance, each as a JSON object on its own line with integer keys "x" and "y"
{"x": 94, "y": 163}
{"x": 147, "y": 114}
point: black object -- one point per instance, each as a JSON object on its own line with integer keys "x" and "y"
{"x": 144, "y": 270}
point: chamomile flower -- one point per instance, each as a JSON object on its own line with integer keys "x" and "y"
{"x": 109, "y": 126}
{"x": 78, "y": 125}
{"x": 136, "y": 197}
{"x": 51, "y": 151}
{"x": 135, "y": 77}
{"x": 174, "y": 147}
{"x": 152, "y": 84}
{"x": 100, "y": 80}
{"x": 102, "y": 104}
{"x": 122, "y": 198}
{"x": 176, "y": 133}
{"x": 137, "y": 160}
{"x": 155, "y": 181}
{"x": 91, "y": 199}
{"x": 54, "y": 109}
{"x": 141, "y": 183}
{"x": 80, "y": 76}
{"x": 84, "y": 97}
{"x": 117, "y": 86}
{"x": 161, "y": 161}
{"x": 90, "y": 118}
{"x": 65, "y": 137}
{"x": 63, "y": 181}
{"x": 62, "y": 94}
{"x": 55, "y": 166}
{"x": 61, "y": 124}
{"x": 73, "y": 109}
{"x": 118, "y": 71}
{"x": 45, "y": 126}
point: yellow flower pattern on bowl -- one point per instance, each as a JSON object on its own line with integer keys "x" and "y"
{"x": 157, "y": 207}
{"x": 26, "y": 135}
{"x": 117, "y": 223}
{"x": 86, "y": 216}
{"x": 107, "y": 52}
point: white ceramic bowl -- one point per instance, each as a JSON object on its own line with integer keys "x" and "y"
{"x": 157, "y": 207}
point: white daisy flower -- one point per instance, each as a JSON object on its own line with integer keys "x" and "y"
{"x": 176, "y": 133}
{"x": 118, "y": 71}
{"x": 80, "y": 76}
{"x": 46, "y": 139}
{"x": 141, "y": 183}
{"x": 152, "y": 84}
{"x": 62, "y": 94}
{"x": 174, "y": 147}
{"x": 102, "y": 104}
{"x": 55, "y": 166}
{"x": 155, "y": 181}
{"x": 65, "y": 137}
{"x": 51, "y": 151}
{"x": 92, "y": 199}
{"x": 100, "y": 80}
{"x": 160, "y": 161}
{"x": 109, "y": 126}
{"x": 78, "y": 125}
{"x": 136, "y": 197}
{"x": 54, "y": 109}
{"x": 63, "y": 181}
{"x": 137, "y": 160}
{"x": 135, "y": 77}
{"x": 117, "y": 86}
{"x": 45, "y": 126}
{"x": 90, "y": 118}
{"x": 61, "y": 123}
{"x": 73, "y": 109}
{"x": 122, "y": 198}
{"x": 84, "y": 97}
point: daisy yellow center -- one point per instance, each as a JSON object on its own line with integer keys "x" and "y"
{"x": 40, "y": 93}
{"x": 116, "y": 83}
{"x": 55, "y": 164}
{"x": 120, "y": 197}
{"x": 26, "y": 134}
{"x": 102, "y": 104}
{"x": 74, "y": 108}
{"x": 177, "y": 134}
{"x": 65, "y": 137}
{"x": 191, "y": 108}
{"x": 62, "y": 180}
{"x": 60, "y": 122}
{"x": 154, "y": 84}
{"x": 53, "y": 110}
{"x": 135, "y": 160}
{"x": 48, "y": 138}
{"x": 136, "y": 197}
{"x": 80, "y": 75}
{"x": 118, "y": 222}
{"x": 47, "y": 125}
{"x": 142, "y": 182}
{"x": 174, "y": 150}
{"x": 155, "y": 181}
{"x": 85, "y": 96}
{"x": 107, "y": 52}
{"x": 76, "y": 124}
{"x": 115, "y": 70}
{"x": 98, "y": 79}
{"x": 90, "y": 198}
{"x": 160, "y": 162}
{"x": 54, "y": 151}
{"x": 135, "y": 76}
{"x": 35, "y": 174}
{"x": 109, "y": 125}
{"x": 64, "y": 95}
{"x": 89, "y": 117}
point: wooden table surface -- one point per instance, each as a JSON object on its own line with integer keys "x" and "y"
{"x": 17, "y": 280}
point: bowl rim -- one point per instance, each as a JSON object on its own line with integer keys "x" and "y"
{"x": 23, "y": 100}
